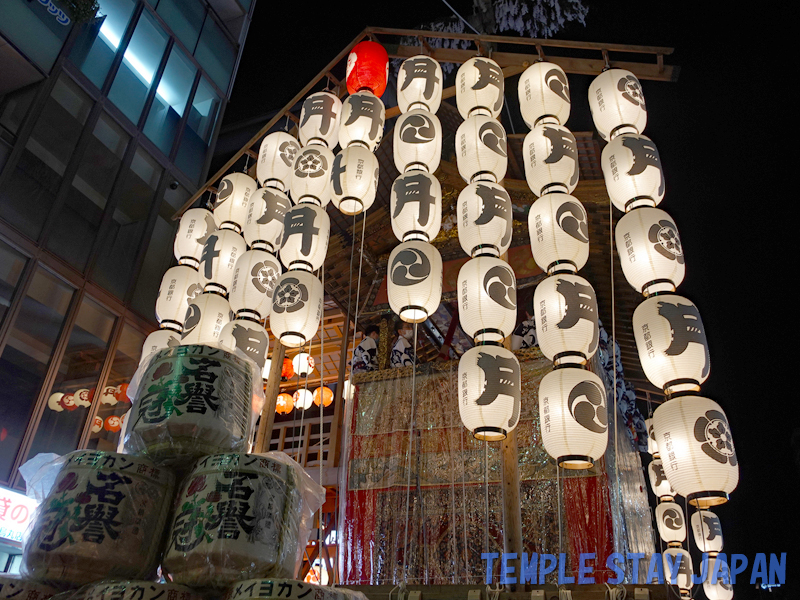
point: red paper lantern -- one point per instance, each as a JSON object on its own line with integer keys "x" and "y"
{"x": 113, "y": 423}
{"x": 367, "y": 68}
{"x": 326, "y": 393}
{"x": 284, "y": 404}
{"x": 287, "y": 371}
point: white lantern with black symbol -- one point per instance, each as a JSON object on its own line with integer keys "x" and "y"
{"x": 249, "y": 337}
{"x": 306, "y": 231}
{"x": 363, "y": 115}
{"x": 617, "y": 103}
{"x": 573, "y": 417}
{"x": 417, "y": 141}
{"x": 414, "y": 281}
{"x": 233, "y": 198}
{"x": 650, "y": 250}
{"x": 543, "y": 93}
{"x": 559, "y": 230}
{"x": 632, "y": 172}
{"x": 481, "y": 149}
{"x": 303, "y": 399}
{"x": 196, "y": 225}
{"x": 717, "y": 585}
{"x": 696, "y": 446}
{"x": 419, "y": 84}
{"x": 263, "y": 227}
{"x": 160, "y": 339}
{"x": 671, "y": 523}
{"x": 672, "y": 343}
{"x": 487, "y": 299}
{"x": 678, "y": 568}
{"x": 303, "y": 364}
{"x": 565, "y": 308}
{"x": 276, "y": 160}
{"x": 707, "y": 531}
{"x": 652, "y": 447}
{"x": 206, "y": 316}
{"x": 658, "y": 480}
{"x": 319, "y": 120}
{"x": 550, "y": 154}
{"x": 311, "y": 178}
{"x": 480, "y": 88}
{"x": 218, "y": 262}
{"x": 179, "y": 285}
{"x": 485, "y": 219}
{"x": 489, "y": 385}
{"x": 254, "y": 280}
{"x": 416, "y": 206}
{"x": 296, "y": 308}
{"x": 354, "y": 180}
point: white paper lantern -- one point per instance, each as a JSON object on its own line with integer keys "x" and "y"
{"x": 276, "y": 160}
{"x": 206, "y": 316}
{"x": 481, "y": 149}
{"x": 303, "y": 399}
{"x": 652, "y": 447}
{"x": 254, "y": 280}
{"x": 489, "y": 385}
{"x": 311, "y": 178}
{"x": 573, "y": 417}
{"x": 544, "y": 93}
{"x": 233, "y": 198}
{"x": 697, "y": 449}
{"x": 659, "y": 482}
{"x": 672, "y": 343}
{"x": 617, "y": 103}
{"x": 348, "y": 390}
{"x": 565, "y": 308}
{"x": 319, "y": 120}
{"x": 178, "y": 285}
{"x": 632, "y": 172}
{"x": 303, "y": 364}
{"x": 707, "y": 531}
{"x": 108, "y": 395}
{"x": 721, "y": 588}
{"x": 650, "y": 251}
{"x": 417, "y": 141}
{"x": 265, "y": 370}
{"x": 550, "y": 154}
{"x": 559, "y": 230}
{"x": 671, "y": 523}
{"x": 416, "y": 206}
{"x": 249, "y": 336}
{"x": 196, "y": 225}
{"x": 296, "y": 308}
{"x": 480, "y": 88}
{"x": 97, "y": 425}
{"x": 306, "y": 231}
{"x": 263, "y": 227}
{"x": 354, "y": 180}
{"x": 682, "y": 570}
{"x": 363, "y": 115}
{"x": 419, "y": 84}
{"x": 414, "y": 281}
{"x": 487, "y": 299}
{"x": 218, "y": 261}
{"x": 160, "y": 339}
{"x": 485, "y": 219}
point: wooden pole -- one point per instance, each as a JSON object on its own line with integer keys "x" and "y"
{"x": 270, "y": 398}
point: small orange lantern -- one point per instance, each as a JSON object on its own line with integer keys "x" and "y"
{"x": 122, "y": 393}
{"x": 326, "y": 393}
{"x": 367, "y": 68}
{"x": 284, "y": 404}
{"x": 287, "y": 371}
{"x": 113, "y": 423}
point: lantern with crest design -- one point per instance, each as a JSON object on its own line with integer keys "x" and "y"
{"x": 544, "y": 94}
{"x": 319, "y": 120}
{"x": 481, "y": 149}
{"x": 416, "y": 206}
{"x": 179, "y": 285}
{"x": 414, "y": 281}
{"x": 617, "y": 103}
{"x": 671, "y": 523}
{"x": 354, "y": 180}
{"x": 233, "y": 199}
{"x": 551, "y": 159}
{"x": 480, "y": 88}
{"x": 303, "y": 364}
{"x": 254, "y": 280}
{"x": 196, "y": 225}
{"x": 632, "y": 172}
{"x": 487, "y": 299}
{"x": 485, "y": 221}
{"x": 296, "y": 308}
{"x": 276, "y": 160}
{"x": 559, "y": 231}
{"x": 419, "y": 84}
{"x": 417, "y": 141}
{"x": 311, "y": 178}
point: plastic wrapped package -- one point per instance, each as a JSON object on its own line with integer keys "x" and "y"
{"x": 103, "y": 517}
{"x": 239, "y": 516}
{"x": 16, "y": 588}
{"x": 134, "y": 590}
{"x": 192, "y": 401}
{"x": 286, "y": 589}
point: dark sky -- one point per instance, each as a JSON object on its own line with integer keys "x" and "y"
{"x": 721, "y": 132}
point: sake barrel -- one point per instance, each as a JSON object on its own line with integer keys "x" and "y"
{"x": 134, "y": 590}
{"x": 236, "y": 517}
{"x": 16, "y": 588}
{"x": 281, "y": 589}
{"x": 191, "y": 401}
{"x": 103, "y": 518}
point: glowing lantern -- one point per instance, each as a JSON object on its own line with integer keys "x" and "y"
{"x": 263, "y": 227}
{"x": 349, "y": 390}
{"x": 179, "y": 285}
{"x": 287, "y": 369}
{"x": 489, "y": 391}
{"x": 276, "y": 160}
{"x": 551, "y": 159}
{"x": 113, "y": 423}
{"x": 617, "y": 103}
{"x": 218, "y": 262}
{"x": 303, "y": 364}
{"x": 306, "y": 231}
{"x": 671, "y": 523}
{"x": 417, "y": 141}
{"x": 160, "y": 340}
{"x": 363, "y": 116}
{"x": 652, "y": 447}
{"x": 416, "y": 205}
{"x": 83, "y": 397}
{"x": 233, "y": 198}
{"x": 303, "y": 399}
{"x": 254, "y": 280}
{"x": 296, "y": 308}
{"x": 576, "y": 434}
{"x": 659, "y": 482}
{"x": 678, "y": 568}
{"x": 97, "y": 425}
{"x": 485, "y": 220}
{"x": 323, "y": 394}
{"x": 414, "y": 281}
{"x": 196, "y": 225}
{"x": 354, "y": 180}
{"x": 719, "y": 587}
{"x": 707, "y": 531}
{"x": 107, "y": 396}
{"x": 487, "y": 299}
{"x": 632, "y": 171}
{"x": 54, "y": 402}
{"x": 206, "y": 316}
{"x": 672, "y": 343}
{"x": 312, "y": 175}
{"x": 319, "y": 120}
{"x": 559, "y": 230}
{"x": 544, "y": 93}
{"x": 696, "y": 443}
{"x": 367, "y": 68}
{"x": 249, "y": 336}
{"x": 481, "y": 149}
{"x": 419, "y": 84}
{"x": 122, "y": 392}
{"x": 480, "y": 88}
{"x": 284, "y": 404}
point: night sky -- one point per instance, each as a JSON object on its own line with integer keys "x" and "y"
{"x": 721, "y": 133}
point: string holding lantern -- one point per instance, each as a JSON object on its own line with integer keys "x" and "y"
{"x": 367, "y": 68}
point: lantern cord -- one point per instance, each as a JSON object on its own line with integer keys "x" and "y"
{"x": 358, "y": 283}
{"x": 464, "y": 508}
{"x": 321, "y": 407}
{"x": 486, "y": 496}
{"x": 455, "y": 12}
{"x": 510, "y": 120}
{"x": 558, "y": 492}
{"x": 286, "y": 126}
{"x": 246, "y": 162}
{"x": 408, "y": 457}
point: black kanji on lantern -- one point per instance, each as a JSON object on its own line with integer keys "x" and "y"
{"x": 367, "y": 106}
{"x": 645, "y": 154}
{"x": 562, "y": 144}
{"x": 210, "y": 252}
{"x": 502, "y": 376}
{"x": 495, "y": 203}
{"x": 414, "y": 188}
{"x": 687, "y": 327}
{"x": 322, "y": 105}
{"x": 275, "y": 208}
{"x": 490, "y": 74}
{"x": 301, "y": 221}
{"x": 580, "y": 304}
{"x": 421, "y": 67}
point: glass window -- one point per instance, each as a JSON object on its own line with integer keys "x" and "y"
{"x": 185, "y": 18}
{"x": 215, "y": 53}
{"x": 199, "y": 129}
{"x": 14, "y": 107}
{"x": 28, "y": 195}
{"x": 61, "y": 425}
{"x": 25, "y": 358}
{"x": 38, "y": 29}
{"x": 121, "y": 246}
{"x": 11, "y": 265}
{"x": 126, "y": 359}
{"x": 138, "y": 69}
{"x": 170, "y": 101}
{"x": 80, "y": 217}
{"x": 97, "y": 43}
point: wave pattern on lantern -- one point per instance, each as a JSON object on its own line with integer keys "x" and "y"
{"x": 414, "y": 281}
{"x": 544, "y": 92}
{"x": 276, "y": 160}
{"x": 487, "y": 299}
{"x": 481, "y": 149}
{"x": 559, "y": 230}
{"x": 354, "y": 180}
{"x": 419, "y": 84}
{"x": 417, "y": 141}
{"x": 416, "y": 206}
{"x": 485, "y": 219}
{"x": 296, "y": 308}
{"x": 617, "y": 103}
{"x": 480, "y": 88}
{"x": 671, "y": 522}
{"x": 550, "y": 154}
